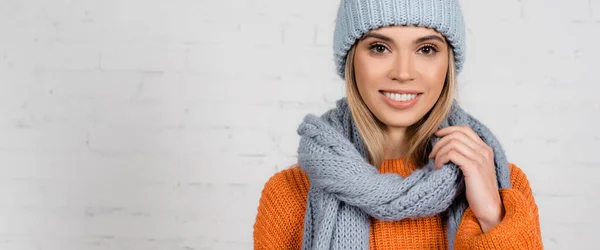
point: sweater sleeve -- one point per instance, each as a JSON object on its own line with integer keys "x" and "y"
{"x": 520, "y": 227}
{"x": 280, "y": 218}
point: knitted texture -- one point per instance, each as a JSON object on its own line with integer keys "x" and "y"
{"x": 357, "y": 17}
{"x": 346, "y": 189}
{"x": 282, "y": 206}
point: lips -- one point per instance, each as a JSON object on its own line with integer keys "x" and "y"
{"x": 401, "y": 91}
{"x": 401, "y": 101}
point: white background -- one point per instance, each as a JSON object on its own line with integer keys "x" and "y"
{"x": 155, "y": 124}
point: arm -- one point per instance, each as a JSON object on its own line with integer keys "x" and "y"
{"x": 280, "y": 220}
{"x": 520, "y": 227}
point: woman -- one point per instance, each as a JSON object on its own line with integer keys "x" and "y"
{"x": 398, "y": 164}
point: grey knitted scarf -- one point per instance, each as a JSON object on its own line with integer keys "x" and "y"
{"x": 345, "y": 189}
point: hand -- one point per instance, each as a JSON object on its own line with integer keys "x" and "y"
{"x": 462, "y": 146}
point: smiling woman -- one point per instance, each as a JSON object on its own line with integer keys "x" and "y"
{"x": 418, "y": 59}
{"x": 398, "y": 164}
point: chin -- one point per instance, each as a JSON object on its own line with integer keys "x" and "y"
{"x": 399, "y": 120}
{"x": 395, "y": 118}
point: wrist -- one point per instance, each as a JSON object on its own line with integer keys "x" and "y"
{"x": 492, "y": 218}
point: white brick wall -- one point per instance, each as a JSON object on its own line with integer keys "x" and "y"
{"x": 154, "y": 124}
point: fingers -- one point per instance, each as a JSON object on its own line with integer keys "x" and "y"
{"x": 461, "y": 140}
{"x": 457, "y": 158}
{"x": 457, "y": 135}
{"x": 457, "y": 146}
{"x": 464, "y": 129}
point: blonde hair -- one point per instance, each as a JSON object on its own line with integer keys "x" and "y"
{"x": 418, "y": 135}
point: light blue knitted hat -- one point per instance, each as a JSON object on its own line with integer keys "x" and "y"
{"x": 357, "y": 17}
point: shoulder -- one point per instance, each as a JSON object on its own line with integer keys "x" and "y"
{"x": 288, "y": 181}
{"x": 520, "y": 183}
{"x": 518, "y": 178}
{"x": 280, "y": 218}
{"x": 285, "y": 193}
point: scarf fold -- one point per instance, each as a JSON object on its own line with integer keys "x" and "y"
{"x": 345, "y": 189}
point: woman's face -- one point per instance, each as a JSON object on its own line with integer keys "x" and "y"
{"x": 400, "y": 72}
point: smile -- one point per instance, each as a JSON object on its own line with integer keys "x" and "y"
{"x": 401, "y": 100}
{"x": 399, "y": 97}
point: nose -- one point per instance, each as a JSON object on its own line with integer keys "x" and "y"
{"x": 402, "y": 69}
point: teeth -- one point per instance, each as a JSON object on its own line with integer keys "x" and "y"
{"x": 400, "y": 97}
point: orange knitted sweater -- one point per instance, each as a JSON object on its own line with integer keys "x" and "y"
{"x": 281, "y": 209}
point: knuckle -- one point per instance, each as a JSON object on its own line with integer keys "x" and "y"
{"x": 452, "y": 153}
{"x": 490, "y": 152}
{"x": 481, "y": 161}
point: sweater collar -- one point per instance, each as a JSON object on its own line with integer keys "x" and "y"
{"x": 397, "y": 166}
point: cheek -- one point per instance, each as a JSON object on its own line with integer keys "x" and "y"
{"x": 435, "y": 76}
{"x": 368, "y": 71}
{"x": 362, "y": 72}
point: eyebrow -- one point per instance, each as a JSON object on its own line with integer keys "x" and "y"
{"x": 387, "y": 39}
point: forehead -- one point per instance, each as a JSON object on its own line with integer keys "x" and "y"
{"x": 406, "y": 32}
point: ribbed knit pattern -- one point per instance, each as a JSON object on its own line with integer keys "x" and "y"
{"x": 346, "y": 189}
{"x": 280, "y": 218}
{"x": 357, "y": 17}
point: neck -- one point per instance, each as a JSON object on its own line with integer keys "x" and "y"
{"x": 395, "y": 146}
